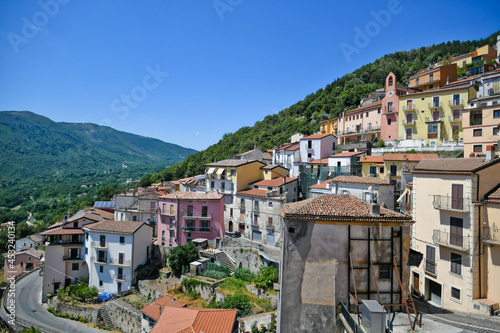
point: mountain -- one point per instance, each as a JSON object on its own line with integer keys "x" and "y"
{"x": 304, "y": 116}
{"x": 35, "y": 146}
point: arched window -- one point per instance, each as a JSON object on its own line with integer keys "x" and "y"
{"x": 390, "y": 81}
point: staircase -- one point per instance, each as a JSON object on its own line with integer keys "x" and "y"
{"x": 226, "y": 260}
{"x": 105, "y": 317}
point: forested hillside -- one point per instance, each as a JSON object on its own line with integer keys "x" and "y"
{"x": 326, "y": 103}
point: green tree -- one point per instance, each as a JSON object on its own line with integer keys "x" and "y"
{"x": 240, "y": 302}
{"x": 181, "y": 256}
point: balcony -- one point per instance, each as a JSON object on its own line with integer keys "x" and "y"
{"x": 201, "y": 229}
{"x": 119, "y": 277}
{"x": 491, "y": 236}
{"x": 430, "y": 266}
{"x": 99, "y": 260}
{"x": 457, "y": 243}
{"x": 433, "y": 119}
{"x": 445, "y": 202}
{"x": 270, "y": 226}
{"x": 255, "y": 226}
{"x": 67, "y": 242}
{"x": 388, "y": 110}
{"x": 436, "y": 105}
{"x": 408, "y": 122}
{"x": 167, "y": 213}
{"x": 409, "y": 108}
{"x": 455, "y": 119}
{"x": 422, "y": 81}
{"x": 117, "y": 262}
{"x": 70, "y": 257}
{"x": 198, "y": 217}
{"x": 255, "y": 208}
{"x": 455, "y": 103}
{"x": 100, "y": 245}
{"x": 171, "y": 226}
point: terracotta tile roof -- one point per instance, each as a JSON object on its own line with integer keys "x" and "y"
{"x": 62, "y": 231}
{"x": 232, "y": 163}
{"x": 322, "y": 186}
{"x": 409, "y": 157}
{"x": 364, "y": 108}
{"x": 115, "y": 227}
{"x": 330, "y": 207}
{"x": 321, "y": 161}
{"x": 453, "y": 165}
{"x": 153, "y": 310}
{"x": 267, "y": 156}
{"x": 275, "y": 182}
{"x": 86, "y": 215}
{"x": 292, "y": 148}
{"x": 213, "y": 195}
{"x": 316, "y": 136}
{"x": 253, "y": 192}
{"x": 372, "y": 159}
{"x": 31, "y": 252}
{"x": 36, "y": 237}
{"x": 272, "y": 166}
{"x": 181, "y": 320}
{"x": 104, "y": 214}
{"x": 360, "y": 180}
{"x": 348, "y": 154}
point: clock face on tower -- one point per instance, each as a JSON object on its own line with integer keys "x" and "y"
{"x": 390, "y": 93}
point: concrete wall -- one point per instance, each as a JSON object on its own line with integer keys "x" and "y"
{"x": 54, "y": 269}
{"x": 75, "y": 310}
{"x": 246, "y": 323}
{"x": 147, "y": 291}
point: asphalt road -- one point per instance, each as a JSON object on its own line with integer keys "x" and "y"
{"x": 28, "y": 308}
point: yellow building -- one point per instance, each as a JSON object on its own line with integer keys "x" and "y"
{"x": 485, "y": 52}
{"x": 231, "y": 176}
{"x": 391, "y": 165}
{"x": 433, "y": 117}
{"x": 329, "y": 126}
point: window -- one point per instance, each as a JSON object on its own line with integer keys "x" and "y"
{"x": 171, "y": 209}
{"x": 435, "y": 102}
{"x": 393, "y": 169}
{"x": 204, "y": 211}
{"x": 100, "y": 283}
{"x": 496, "y": 113}
{"x": 74, "y": 266}
{"x": 367, "y": 115}
{"x": 409, "y": 133}
{"x": 476, "y": 118}
{"x": 242, "y": 204}
{"x": 432, "y": 129}
{"x": 86, "y": 236}
{"x": 390, "y": 80}
{"x": 122, "y": 239}
{"x": 75, "y": 224}
{"x": 477, "y": 132}
{"x": 309, "y": 155}
{"x": 86, "y": 251}
{"x": 431, "y": 77}
{"x": 409, "y": 118}
{"x": 190, "y": 225}
{"x": 495, "y": 130}
{"x": 456, "y": 99}
{"x": 270, "y": 204}
{"x": 101, "y": 269}
{"x": 389, "y": 121}
{"x": 381, "y": 169}
{"x": 190, "y": 210}
{"x": 367, "y": 196}
{"x": 212, "y": 185}
{"x": 457, "y": 196}
{"x": 121, "y": 257}
{"x": 373, "y": 170}
{"x": 255, "y": 219}
{"x": 233, "y": 172}
{"x": 223, "y": 186}
{"x": 456, "y": 263}
{"x": 309, "y": 144}
{"x": 477, "y": 148}
{"x": 390, "y": 106}
{"x": 384, "y": 271}
{"x": 455, "y": 293}
{"x": 164, "y": 209}
{"x": 205, "y": 226}
{"x": 102, "y": 240}
{"x": 231, "y": 212}
{"x": 270, "y": 221}
{"x": 256, "y": 205}
{"x": 430, "y": 260}
{"x": 378, "y": 111}
{"x": 101, "y": 256}
{"x": 134, "y": 218}
{"x": 22, "y": 264}
{"x": 456, "y": 231}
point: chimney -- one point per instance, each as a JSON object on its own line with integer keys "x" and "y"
{"x": 472, "y": 155}
{"x": 374, "y": 209}
{"x": 328, "y": 185}
{"x": 490, "y": 152}
{"x": 284, "y": 180}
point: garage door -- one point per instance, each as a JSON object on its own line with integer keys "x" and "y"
{"x": 257, "y": 236}
{"x": 271, "y": 239}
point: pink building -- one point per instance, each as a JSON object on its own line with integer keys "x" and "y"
{"x": 183, "y": 216}
{"x": 21, "y": 262}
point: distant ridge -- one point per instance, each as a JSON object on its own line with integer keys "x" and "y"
{"x": 33, "y": 145}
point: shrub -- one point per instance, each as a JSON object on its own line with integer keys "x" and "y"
{"x": 220, "y": 268}
{"x": 266, "y": 277}
{"x": 214, "y": 274}
{"x": 240, "y": 302}
{"x": 181, "y": 256}
{"x": 244, "y": 274}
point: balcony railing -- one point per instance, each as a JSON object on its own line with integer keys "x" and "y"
{"x": 491, "y": 235}
{"x": 199, "y": 217}
{"x": 101, "y": 245}
{"x": 446, "y": 202}
{"x": 256, "y": 208}
{"x": 200, "y": 229}
{"x": 255, "y": 226}
{"x": 171, "y": 226}
{"x": 408, "y": 108}
{"x": 67, "y": 241}
{"x": 117, "y": 262}
{"x": 435, "y": 105}
{"x": 359, "y": 131}
{"x": 430, "y": 266}
{"x": 269, "y": 226}
{"x": 99, "y": 260}
{"x": 455, "y": 242}
{"x": 73, "y": 257}
{"x": 433, "y": 119}
{"x": 422, "y": 81}
{"x": 388, "y": 109}
{"x": 408, "y": 123}
{"x": 476, "y": 121}
{"x": 454, "y": 120}
{"x": 119, "y": 277}
{"x": 455, "y": 103}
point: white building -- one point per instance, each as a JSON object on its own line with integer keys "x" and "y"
{"x": 345, "y": 161}
{"x": 114, "y": 250}
{"x": 140, "y": 208}
{"x": 369, "y": 189}
{"x": 34, "y": 241}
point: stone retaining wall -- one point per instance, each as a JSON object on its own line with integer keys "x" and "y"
{"x": 74, "y": 310}
{"x": 124, "y": 316}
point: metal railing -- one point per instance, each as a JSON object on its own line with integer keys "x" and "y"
{"x": 432, "y": 119}
{"x": 73, "y": 257}
{"x": 446, "y": 202}
{"x": 270, "y": 226}
{"x": 99, "y": 260}
{"x": 443, "y": 238}
{"x": 407, "y": 123}
{"x": 353, "y": 326}
{"x": 422, "y": 81}
{"x": 119, "y": 277}
{"x": 101, "y": 245}
{"x": 200, "y": 229}
{"x": 430, "y": 266}
{"x": 78, "y": 241}
{"x": 117, "y": 262}
{"x": 452, "y": 119}
{"x": 359, "y": 131}
{"x": 435, "y": 105}
{"x": 455, "y": 103}
{"x": 491, "y": 235}
{"x": 408, "y": 108}
{"x": 171, "y": 226}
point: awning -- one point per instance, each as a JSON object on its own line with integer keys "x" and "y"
{"x": 220, "y": 171}
{"x": 211, "y": 170}
{"x": 402, "y": 195}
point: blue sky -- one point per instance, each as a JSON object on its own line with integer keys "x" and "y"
{"x": 187, "y": 72}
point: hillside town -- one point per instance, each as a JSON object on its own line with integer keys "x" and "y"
{"x": 389, "y": 204}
